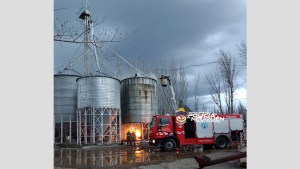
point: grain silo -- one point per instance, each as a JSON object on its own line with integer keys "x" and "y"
{"x": 139, "y": 104}
{"x": 98, "y": 109}
{"x": 65, "y": 105}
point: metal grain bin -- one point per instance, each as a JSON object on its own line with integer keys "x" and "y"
{"x": 138, "y": 99}
{"x": 98, "y": 92}
{"x": 65, "y": 97}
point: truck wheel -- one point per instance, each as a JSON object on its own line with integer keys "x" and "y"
{"x": 221, "y": 142}
{"x": 169, "y": 145}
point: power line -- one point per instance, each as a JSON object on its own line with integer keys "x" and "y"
{"x": 76, "y": 51}
{"x": 203, "y": 64}
{"x": 57, "y": 9}
{"x": 69, "y": 41}
{"x": 188, "y": 66}
{"x": 120, "y": 57}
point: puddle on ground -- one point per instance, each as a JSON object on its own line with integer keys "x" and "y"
{"x": 122, "y": 155}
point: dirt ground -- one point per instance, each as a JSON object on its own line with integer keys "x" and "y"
{"x": 136, "y": 157}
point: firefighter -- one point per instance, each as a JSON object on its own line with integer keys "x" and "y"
{"x": 133, "y": 137}
{"x": 128, "y": 138}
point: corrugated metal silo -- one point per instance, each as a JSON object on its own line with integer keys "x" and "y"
{"x": 138, "y": 99}
{"x": 65, "y": 105}
{"x": 98, "y": 108}
{"x": 65, "y": 97}
{"x": 97, "y": 91}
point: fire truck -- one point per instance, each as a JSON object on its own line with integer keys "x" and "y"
{"x": 183, "y": 129}
{"x": 169, "y": 133}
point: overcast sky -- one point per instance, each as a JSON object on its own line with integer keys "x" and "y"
{"x": 191, "y": 30}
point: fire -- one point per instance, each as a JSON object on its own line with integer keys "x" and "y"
{"x": 138, "y": 134}
{"x": 132, "y": 128}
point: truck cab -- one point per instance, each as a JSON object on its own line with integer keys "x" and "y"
{"x": 162, "y": 132}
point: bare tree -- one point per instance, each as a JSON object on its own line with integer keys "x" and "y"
{"x": 204, "y": 108}
{"x": 242, "y": 48}
{"x": 182, "y": 84}
{"x": 215, "y": 82}
{"x": 196, "y": 104}
{"x": 62, "y": 30}
{"x": 241, "y": 109}
{"x": 226, "y": 95}
{"x": 222, "y": 81}
{"x": 229, "y": 73}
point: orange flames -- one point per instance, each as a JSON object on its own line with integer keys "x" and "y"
{"x": 132, "y": 127}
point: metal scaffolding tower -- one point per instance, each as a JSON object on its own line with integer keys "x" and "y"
{"x": 98, "y": 125}
{"x": 86, "y": 17}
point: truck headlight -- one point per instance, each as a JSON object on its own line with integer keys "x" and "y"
{"x": 153, "y": 141}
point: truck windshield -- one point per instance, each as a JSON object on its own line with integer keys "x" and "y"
{"x": 152, "y": 123}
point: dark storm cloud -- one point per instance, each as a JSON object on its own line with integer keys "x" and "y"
{"x": 191, "y": 31}
{"x": 164, "y": 26}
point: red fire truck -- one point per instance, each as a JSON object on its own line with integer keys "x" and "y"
{"x": 169, "y": 133}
